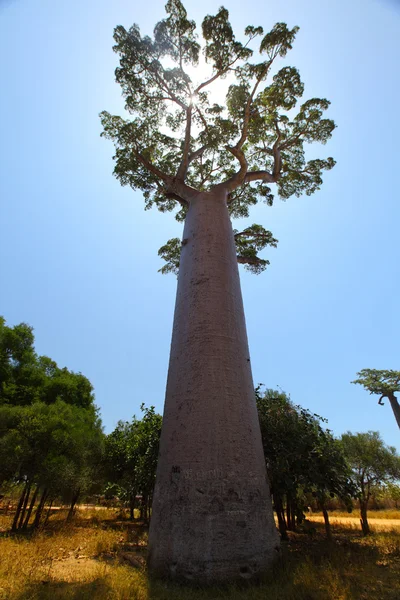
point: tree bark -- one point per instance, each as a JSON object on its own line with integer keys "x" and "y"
{"x": 364, "y": 520}
{"x": 327, "y": 523}
{"x": 25, "y": 504}
{"x": 280, "y": 513}
{"x": 74, "y": 500}
{"x": 287, "y": 512}
{"x": 32, "y": 504}
{"x": 395, "y": 408}
{"x": 18, "y": 511}
{"x": 212, "y": 515}
{"x": 39, "y": 509}
{"x": 48, "y": 512}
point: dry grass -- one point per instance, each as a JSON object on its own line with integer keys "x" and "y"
{"x": 372, "y": 514}
{"x": 102, "y": 557}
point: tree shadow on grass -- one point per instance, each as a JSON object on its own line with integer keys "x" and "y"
{"x": 64, "y": 590}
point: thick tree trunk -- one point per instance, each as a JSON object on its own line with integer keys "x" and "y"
{"x": 364, "y": 520}
{"x": 291, "y": 510}
{"x": 327, "y": 523}
{"x": 39, "y": 509}
{"x": 395, "y": 408}
{"x": 280, "y": 513}
{"x": 74, "y": 500}
{"x": 212, "y": 516}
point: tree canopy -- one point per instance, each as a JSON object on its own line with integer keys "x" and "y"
{"x": 301, "y": 455}
{"x": 372, "y": 463}
{"x": 131, "y": 458}
{"x": 383, "y": 383}
{"x": 179, "y": 141}
{"x": 26, "y": 377}
{"x": 51, "y": 437}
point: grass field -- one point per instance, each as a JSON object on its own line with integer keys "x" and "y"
{"x": 102, "y": 556}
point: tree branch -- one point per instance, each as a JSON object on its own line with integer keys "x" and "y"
{"x": 222, "y": 71}
{"x": 246, "y": 119}
{"x": 150, "y": 167}
{"x": 171, "y": 96}
{"x": 238, "y": 178}
{"x": 259, "y": 175}
{"x": 197, "y": 153}
{"x": 277, "y": 153}
{"x": 183, "y": 167}
{"x": 249, "y": 260}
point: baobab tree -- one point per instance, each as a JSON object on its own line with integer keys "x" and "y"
{"x": 212, "y": 517}
{"x": 383, "y": 383}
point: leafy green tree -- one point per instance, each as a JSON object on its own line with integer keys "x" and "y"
{"x": 301, "y": 456}
{"x": 50, "y": 432}
{"x": 383, "y": 383}
{"x": 131, "y": 458}
{"x": 20, "y": 375}
{"x": 120, "y": 460}
{"x": 55, "y": 449}
{"x": 211, "y": 162}
{"x": 179, "y": 143}
{"x": 393, "y": 491}
{"x": 148, "y": 435}
{"x": 373, "y": 463}
{"x": 329, "y": 474}
{"x": 26, "y": 377}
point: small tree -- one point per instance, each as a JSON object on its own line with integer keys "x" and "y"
{"x": 384, "y": 383}
{"x": 53, "y": 449}
{"x": 373, "y": 463}
{"x": 131, "y": 459}
{"x": 329, "y": 474}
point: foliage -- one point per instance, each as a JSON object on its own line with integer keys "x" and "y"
{"x": 382, "y": 382}
{"x": 26, "y": 377}
{"x": 131, "y": 457}
{"x": 51, "y": 438}
{"x": 248, "y": 243}
{"x": 385, "y": 383}
{"x": 179, "y": 141}
{"x": 372, "y": 462}
{"x": 56, "y": 447}
{"x": 301, "y": 455}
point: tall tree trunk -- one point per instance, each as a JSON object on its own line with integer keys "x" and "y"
{"x": 395, "y": 408}
{"x": 48, "y": 512}
{"x": 212, "y": 516}
{"x": 32, "y": 504}
{"x": 19, "y": 507}
{"x": 291, "y": 509}
{"x": 74, "y": 500}
{"x": 294, "y": 511}
{"x": 280, "y": 513}
{"x": 327, "y": 522}
{"x": 288, "y": 507}
{"x": 364, "y": 520}
{"x": 25, "y": 504}
{"x": 39, "y": 509}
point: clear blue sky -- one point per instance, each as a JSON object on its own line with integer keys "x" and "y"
{"x": 79, "y": 255}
